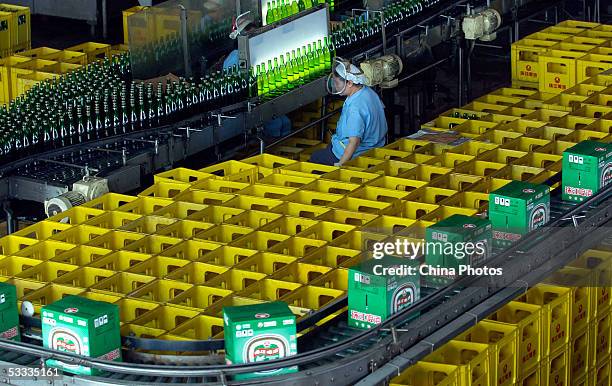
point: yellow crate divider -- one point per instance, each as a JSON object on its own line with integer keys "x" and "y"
{"x": 42, "y": 230}
{"x": 223, "y": 234}
{"x": 109, "y": 201}
{"x": 444, "y": 212}
{"x": 112, "y": 220}
{"x": 584, "y": 135}
{"x": 472, "y": 359}
{"x": 81, "y": 255}
{"x": 197, "y": 273}
{"x": 498, "y": 137}
{"x": 76, "y": 215}
{"x": 131, "y": 309}
{"x": 220, "y": 185}
{"x": 122, "y": 283}
{"x": 49, "y": 294}
{"x": 266, "y": 191}
{"x": 388, "y": 225}
{"x": 524, "y": 58}
{"x": 160, "y": 291}
{"x": 201, "y": 327}
{"x": 310, "y": 297}
{"x": 94, "y": 51}
{"x": 565, "y": 102}
{"x": 555, "y": 369}
{"x": 601, "y": 374}
{"x": 199, "y": 297}
{"x": 14, "y": 265}
{"x": 265, "y": 262}
{"x": 235, "y": 279}
{"x": 550, "y": 133}
{"x": 288, "y": 225}
{"x": 580, "y": 354}
{"x": 286, "y": 180}
{"x": 64, "y": 56}
{"x": 165, "y": 317}
{"x": 268, "y": 290}
{"x": 592, "y": 111}
{"x": 527, "y": 318}
{"x": 259, "y": 240}
{"x": 601, "y": 331}
{"x": 558, "y": 70}
{"x": 184, "y": 229}
{"x": 455, "y": 181}
{"x": 84, "y": 277}
{"x": 181, "y": 175}
{"x": 47, "y": 271}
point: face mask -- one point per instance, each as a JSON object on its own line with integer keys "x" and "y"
{"x": 342, "y": 72}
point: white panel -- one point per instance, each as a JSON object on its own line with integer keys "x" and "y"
{"x": 284, "y": 38}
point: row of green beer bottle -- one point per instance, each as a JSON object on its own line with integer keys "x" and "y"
{"x": 289, "y": 71}
{"x": 282, "y": 9}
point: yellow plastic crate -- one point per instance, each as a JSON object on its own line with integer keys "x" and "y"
{"x": 513, "y": 92}
{"x": 288, "y": 225}
{"x": 527, "y": 319}
{"x": 313, "y": 198}
{"x": 428, "y": 374}
{"x": 498, "y": 137}
{"x": 227, "y": 256}
{"x": 407, "y": 145}
{"x": 94, "y": 51}
{"x": 23, "y": 287}
{"x": 450, "y": 160}
{"x": 60, "y": 68}
{"x": 484, "y": 107}
{"x": 199, "y": 297}
{"x": 137, "y": 331}
{"x": 554, "y": 36}
{"x": 585, "y": 89}
{"x": 524, "y": 57}
{"x": 601, "y": 32}
{"x": 6, "y": 76}
{"x": 526, "y": 144}
{"x": 584, "y": 135}
{"x": 260, "y": 241}
{"x": 109, "y": 201}
{"x": 549, "y": 133}
{"x": 179, "y": 175}
{"x": 26, "y": 79}
{"x": 579, "y": 355}
{"x": 603, "y": 125}
{"x": 254, "y": 219}
{"x": 352, "y": 176}
{"x": 392, "y": 168}
{"x": 472, "y": 359}
{"x": 444, "y": 122}
{"x": 266, "y": 191}
{"x": 81, "y": 255}
{"x": 565, "y": 102}
{"x": 122, "y": 283}
{"x": 426, "y": 173}
{"x": 502, "y": 340}
{"x": 489, "y": 185}
{"x": 49, "y": 294}
{"x": 363, "y": 163}
{"x": 265, "y": 262}
{"x": 455, "y": 181}
{"x": 160, "y": 291}
{"x": 45, "y": 250}
{"x": 268, "y": 161}
{"x": 473, "y": 148}
{"x": 503, "y": 100}
{"x": 235, "y": 279}
{"x": 203, "y": 197}
{"x": 215, "y": 214}
{"x": 219, "y": 185}
{"x": 558, "y": 70}
{"x": 522, "y": 126}
{"x": 298, "y": 246}
{"x": 470, "y": 200}
{"x": 389, "y": 224}
{"x": 336, "y": 279}
{"x": 310, "y": 297}
{"x": 223, "y": 234}
{"x": 255, "y": 203}
{"x": 396, "y": 183}
{"x": 564, "y": 30}
{"x": 300, "y": 273}
{"x": 520, "y": 173}
{"x": 330, "y": 186}
{"x": 112, "y": 220}
{"x": 84, "y": 277}
{"x": 19, "y": 27}
{"x": 6, "y": 19}
{"x": 165, "y": 317}
{"x": 379, "y": 194}
{"x": 601, "y": 329}
{"x": 430, "y": 195}
{"x": 601, "y": 374}
{"x": 593, "y": 112}
{"x": 120, "y": 260}
{"x": 76, "y": 215}
{"x": 64, "y": 56}
{"x": 201, "y": 327}
{"x": 416, "y": 210}
{"x": 555, "y": 369}
{"x": 153, "y": 244}
{"x": 130, "y": 309}
{"x": 139, "y": 33}
{"x": 419, "y": 159}
{"x": 197, "y": 273}
{"x": 436, "y": 149}
{"x": 346, "y": 217}
{"x": 184, "y": 229}
{"x": 520, "y": 112}
{"x": 599, "y": 100}
{"x": 14, "y": 265}
{"x": 42, "y": 230}
{"x": 300, "y": 210}
{"x": 158, "y": 266}
{"x": 502, "y": 156}
{"x": 480, "y": 168}
{"x": 502, "y": 118}
{"x": 463, "y": 113}
{"x": 191, "y": 249}
{"x": 444, "y": 212}
{"x": 358, "y": 240}
{"x": 365, "y": 206}
{"x": 556, "y": 315}
{"x": 268, "y": 290}
{"x": 540, "y": 160}
{"x": 231, "y": 168}
{"x": 306, "y": 169}
{"x": 144, "y": 205}
{"x": 385, "y": 154}
{"x": 47, "y": 271}
{"x": 330, "y": 256}
{"x": 80, "y": 234}
{"x": 286, "y": 180}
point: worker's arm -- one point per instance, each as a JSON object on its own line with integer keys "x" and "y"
{"x": 349, "y": 150}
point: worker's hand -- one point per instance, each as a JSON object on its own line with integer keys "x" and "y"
{"x": 338, "y": 164}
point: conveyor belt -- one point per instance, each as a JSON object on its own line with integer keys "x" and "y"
{"x": 327, "y": 353}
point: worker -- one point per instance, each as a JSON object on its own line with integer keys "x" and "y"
{"x": 362, "y": 125}
{"x": 278, "y": 127}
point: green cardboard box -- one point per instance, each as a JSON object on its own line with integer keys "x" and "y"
{"x": 455, "y": 241}
{"x": 516, "y": 209}
{"x": 259, "y": 333}
{"x": 9, "y": 315}
{"x": 587, "y": 168}
{"x": 81, "y": 326}
{"x": 374, "y": 295}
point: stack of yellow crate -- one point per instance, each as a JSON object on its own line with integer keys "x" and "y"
{"x": 554, "y": 334}
{"x": 139, "y": 34}
{"x": 15, "y": 29}
{"x": 561, "y": 56}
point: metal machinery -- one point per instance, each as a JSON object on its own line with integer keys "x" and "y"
{"x": 332, "y": 354}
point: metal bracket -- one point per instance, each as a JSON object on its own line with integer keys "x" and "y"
{"x": 220, "y": 118}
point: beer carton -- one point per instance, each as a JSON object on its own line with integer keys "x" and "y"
{"x": 453, "y": 244}
{"x": 9, "y": 316}
{"x": 587, "y": 168}
{"x": 516, "y": 209}
{"x": 378, "y": 288}
{"x": 259, "y": 333}
{"x": 81, "y": 326}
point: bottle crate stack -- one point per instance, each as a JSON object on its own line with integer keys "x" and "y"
{"x": 559, "y": 57}
{"x": 15, "y": 29}
{"x": 557, "y": 333}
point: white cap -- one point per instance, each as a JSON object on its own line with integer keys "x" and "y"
{"x": 355, "y": 74}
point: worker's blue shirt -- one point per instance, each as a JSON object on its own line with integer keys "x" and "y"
{"x": 363, "y": 116}
{"x": 231, "y": 60}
